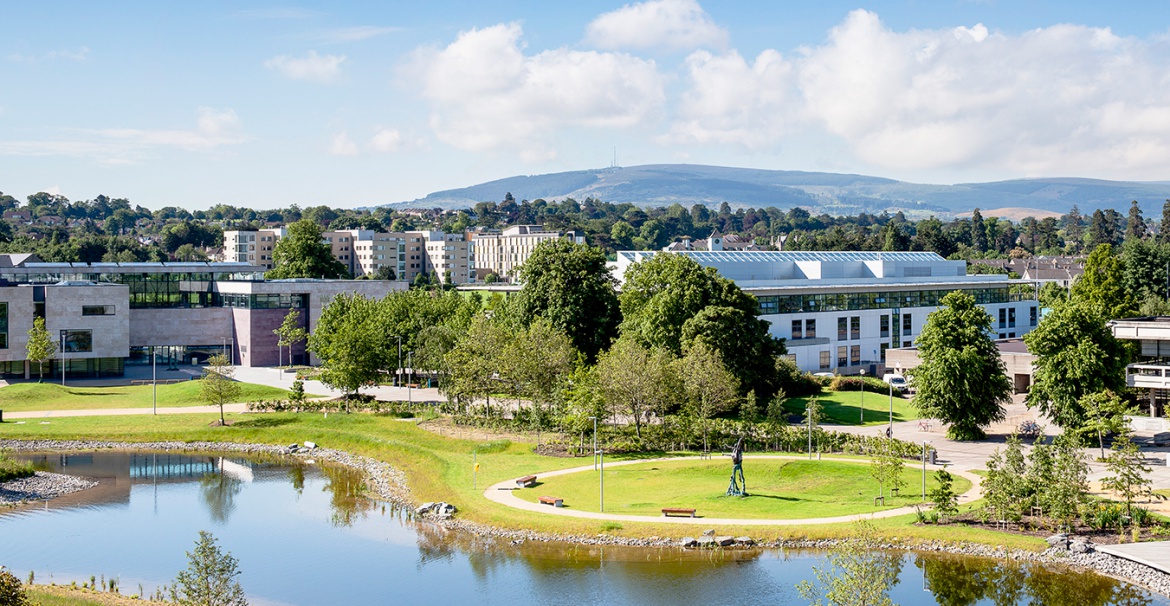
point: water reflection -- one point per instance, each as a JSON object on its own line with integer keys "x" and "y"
{"x": 219, "y": 494}
{"x": 347, "y": 490}
{"x": 962, "y": 581}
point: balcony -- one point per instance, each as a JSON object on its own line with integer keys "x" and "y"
{"x": 1149, "y": 376}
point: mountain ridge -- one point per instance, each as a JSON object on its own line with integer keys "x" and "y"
{"x": 831, "y": 193}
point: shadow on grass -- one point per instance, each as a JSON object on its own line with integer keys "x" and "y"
{"x": 266, "y": 422}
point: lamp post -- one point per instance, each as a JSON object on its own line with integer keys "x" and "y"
{"x": 62, "y": 346}
{"x": 890, "y": 431}
{"x": 154, "y": 379}
{"x": 409, "y": 379}
{"x": 924, "y": 471}
{"x": 398, "y": 375}
{"x": 863, "y": 396}
{"x": 594, "y": 443}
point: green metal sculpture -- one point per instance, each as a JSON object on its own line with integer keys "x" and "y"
{"x": 738, "y": 486}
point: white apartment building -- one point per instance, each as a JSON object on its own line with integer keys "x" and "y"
{"x": 502, "y": 253}
{"x": 841, "y": 311}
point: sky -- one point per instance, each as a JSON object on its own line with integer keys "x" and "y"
{"x": 352, "y": 104}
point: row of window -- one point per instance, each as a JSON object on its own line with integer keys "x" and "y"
{"x": 848, "y": 328}
{"x": 850, "y": 355}
{"x": 810, "y": 303}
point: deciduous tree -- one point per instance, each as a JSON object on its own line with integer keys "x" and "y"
{"x": 961, "y": 380}
{"x": 1128, "y": 474}
{"x": 1103, "y": 284}
{"x": 302, "y": 254}
{"x": 290, "y": 332}
{"x": 210, "y": 577}
{"x": 218, "y": 385}
{"x": 40, "y": 347}
{"x": 349, "y": 341}
{"x": 1104, "y": 413}
{"x": 1076, "y": 354}
{"x": 637, "y": 382}
{"x": 858, "y": 573}
{"x": 709, "y": 387}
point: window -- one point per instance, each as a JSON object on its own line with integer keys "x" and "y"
{"x": 855, "y": 355}
{"x": 97, "y": 310}
{"x": 3, "y": 326}
{"x": 1011, "y": 317}
{"x": 885, "y": 327}
{"x": 1002, "y": 318}
{"x": 826, "y": 359}
{"x": 842, "y": 329}
{"x": 885, "y": 346}
{"x": 76, "y": 341}
{"x": 810, "y": 329}
{"x": 907, "y": 324}
{"x": 842, "y": 356}
{"x": 791, "y": 358}
{"x": 855, "y": 328}
{"x": 1032, "y": 315}
{"x": 797, "y": 330}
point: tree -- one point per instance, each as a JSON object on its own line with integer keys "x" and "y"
{"x": 1052, "y": 294}
{"x": 349, "y": 341}
{"x": 961, "y": 380}
{"x": 218, "y": 385}
{"x": 1006, "y": 489}
{"x": 1128, "y": 473}
{"x": 859, "y": 573}
{"x": 1067, "y": 488}
{"x": 978, "y": 232}
{"x": 670, "y": 300}
{"x": 41, "y": 347}
{"x": 476, "y": 361}
{"x": 1135, "y": 226}
{"x": 538, "y": 362}
{"x": 384, "y": 273}
{"x": 1076, "y": 354}
{"x": 1104, "y": 413}
{"x": 11, "y": 590}
{"x": 569, "y": 285}
{"x": 710, "y": 389}
{"x": 210, "y": 577}
{"x": 302, "y": 254}
{"x": 886, "y": 467}
{"x": 290, "y": 332}
{"x": 1103, "y": 284}
{"x": 1164, "y": 226}
{"x": 637, "y": 382}
{"x": 946, "y": 502}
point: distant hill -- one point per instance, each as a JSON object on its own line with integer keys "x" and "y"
{"x": 837, "y": 194}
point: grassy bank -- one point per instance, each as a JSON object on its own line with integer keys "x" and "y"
{"x": 440, "y": 468}
{"x": 52, "y": 396}
{"x": 57, "y": 595}
{"x": 844, "y": 408}
{"x": 11, "y": 469}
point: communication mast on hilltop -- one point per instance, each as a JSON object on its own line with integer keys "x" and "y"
{"x": 613, "y": 165}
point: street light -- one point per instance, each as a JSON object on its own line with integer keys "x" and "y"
{"x": 397, "y": 375}
{"x": 890, "y": 431}
{"x": 409, "y": 379}
{"x": 594, "y": 443}
{"x": 863, "y": 396}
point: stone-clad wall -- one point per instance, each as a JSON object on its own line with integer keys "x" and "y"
{"x": 111, "y": 334}
{"x": 20, "y": 321}
{"x": 198, "y": 326}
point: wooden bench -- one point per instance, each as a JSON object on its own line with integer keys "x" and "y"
{"x": 526, "y": 481}
{"x": 554, "y": 501}
{"x": 677, "y": 511}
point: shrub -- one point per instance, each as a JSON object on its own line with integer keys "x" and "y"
{"x": 11, "y": 591}
{"x": 873, "y": 385}
{"x": 11, "y": 469}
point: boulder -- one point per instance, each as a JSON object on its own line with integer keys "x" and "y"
{"x": 1058, "y": 540}
{"x": 745, "y": 541}
{"x": 1080, "y": 547}
{"x": 688, "y": 542}
{"x": 725, "y": 541}
{"x": 708, "y": 533}
{"x": 424, "y": 509}
{"x": 705, "y": 542}
{"x": 310, "y": 445}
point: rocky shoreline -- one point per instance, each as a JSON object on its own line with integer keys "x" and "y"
{"x": 389, "y": 484}
{"x": 41, "y": 486}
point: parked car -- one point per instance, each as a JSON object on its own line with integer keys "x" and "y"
{"x": 896, "y": 381}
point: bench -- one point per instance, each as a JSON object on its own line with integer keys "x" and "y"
{"x": 554, "y": 501}
{"x": 526, "y": 481}
{"x": 677, "y": 511}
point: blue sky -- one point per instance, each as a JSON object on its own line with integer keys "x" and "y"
{"x": 266, "y": 105}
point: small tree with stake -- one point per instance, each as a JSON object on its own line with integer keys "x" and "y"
{"x": 218, "y": 385}
{"x": 1128, "y": 473}
{"x": 210, "y": 577}
{"x": 40, "y": 346}
{"x": 290, "y": 332}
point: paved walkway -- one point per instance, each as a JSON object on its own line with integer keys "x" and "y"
{"x": 1156, "y": 555}
{"x": 504, "y": 494}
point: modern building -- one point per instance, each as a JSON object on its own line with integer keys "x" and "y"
{"x": 841, "y": 311}
{"x": 1151, "y": 372}
{"x": 364, "y": 252}
{"x": 501, "y": 253}
{"x": 1019, "y": 364}
{"x": 107, "y": 315}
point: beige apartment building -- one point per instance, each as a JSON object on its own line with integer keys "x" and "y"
{"x": 365, "y": 252}
{"x": 503, "y": 252}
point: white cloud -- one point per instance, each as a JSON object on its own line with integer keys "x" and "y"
{"x": 386, "y": 140}
{"x": 1059, "y": 100}
{"x": 342, "y": 145}
{"x": 79, "y": 55}
{"x": 215, "y": 128}
{"x": 312, "y": 67}
{"x": 672, "y": 24}
{"x": 487, "y": 94}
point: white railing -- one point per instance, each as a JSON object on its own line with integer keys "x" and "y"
{"x": 1150, "y": 376}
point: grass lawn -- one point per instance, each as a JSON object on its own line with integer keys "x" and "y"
{"x": 439, "y": 468}
{"x": 52, "y": 396}
{"x": 57, "y": 595}
{"x": 844, "y": 408}
{"x": 779, "y": 489}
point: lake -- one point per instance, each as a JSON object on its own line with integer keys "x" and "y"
{"x": 305, "y": 534}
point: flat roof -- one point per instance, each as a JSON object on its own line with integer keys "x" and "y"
{"x": 793, "y": 256}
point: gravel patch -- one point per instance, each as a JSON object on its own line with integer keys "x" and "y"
{"x": 41, "y": 486}
{"x": 389, "y": 484}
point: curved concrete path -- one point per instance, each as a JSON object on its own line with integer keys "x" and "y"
{"x": 502, "y": 493}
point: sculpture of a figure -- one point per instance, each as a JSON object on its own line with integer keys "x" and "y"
{"x": 738, "y": 486}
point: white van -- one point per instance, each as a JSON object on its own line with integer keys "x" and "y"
{"x": 896, "y": 381}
